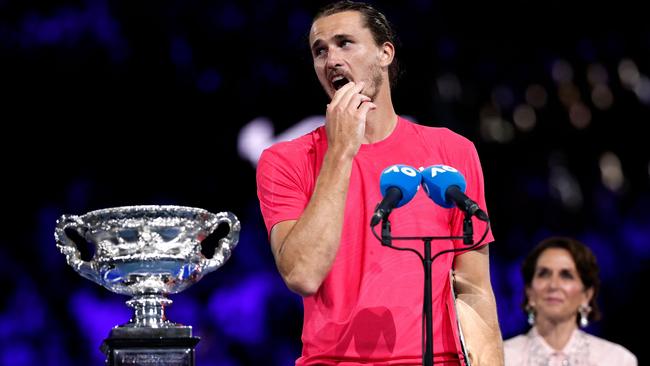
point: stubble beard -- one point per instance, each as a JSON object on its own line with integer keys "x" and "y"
{"x": 376, "y": 81}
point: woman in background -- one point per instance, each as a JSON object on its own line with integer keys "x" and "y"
{"x": 561, "y": 283}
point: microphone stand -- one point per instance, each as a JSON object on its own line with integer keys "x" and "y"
{"x": 428, "y": 303}
{"x": 468, "y": 230}
{"x": 427, "y": 261}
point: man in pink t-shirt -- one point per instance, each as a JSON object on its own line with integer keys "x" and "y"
{"x": 362, "y": 301}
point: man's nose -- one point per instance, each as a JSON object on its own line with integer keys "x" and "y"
{"x": 334, "y": 59}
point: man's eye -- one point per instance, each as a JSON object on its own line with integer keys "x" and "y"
{"x": 345, "y": 43}
{"x": 319, "y": 51}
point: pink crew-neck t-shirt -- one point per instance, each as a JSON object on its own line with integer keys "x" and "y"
{"x": 368, "y": 310}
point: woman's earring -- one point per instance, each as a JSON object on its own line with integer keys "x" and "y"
{"x": 584, "y": 311}
{"x": 531, "y": 314}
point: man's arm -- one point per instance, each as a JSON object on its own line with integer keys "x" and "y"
{"x": 476, "y": 306}
{"x": 305, "y": 249}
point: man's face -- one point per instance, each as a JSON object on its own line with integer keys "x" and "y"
{"x": 344, "y": 50}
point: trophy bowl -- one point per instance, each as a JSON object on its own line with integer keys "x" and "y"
{"x": 145, "y": 252}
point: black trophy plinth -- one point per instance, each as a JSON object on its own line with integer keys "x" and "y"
{"x": 150, "y": 346}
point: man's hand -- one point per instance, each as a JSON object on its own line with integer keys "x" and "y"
{"x": 345, "y": 119}
{"x": 305, "y": 249}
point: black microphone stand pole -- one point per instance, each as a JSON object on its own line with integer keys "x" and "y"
{"x": 468, "y": 230}
{"x": 427, "y": 262}
{"x": 428, "y": 303}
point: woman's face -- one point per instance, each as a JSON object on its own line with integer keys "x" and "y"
{"x": 557, "y": 291}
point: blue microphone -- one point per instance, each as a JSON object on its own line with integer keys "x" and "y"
{"x": 446, "y": 187}
{"x": 398, "y": 185}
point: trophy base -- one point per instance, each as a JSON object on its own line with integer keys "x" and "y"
{"x": 172, "y": 346}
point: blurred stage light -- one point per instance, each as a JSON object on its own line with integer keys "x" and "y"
{"x": 257, "y": 135}
{"x": 597, "y": 74}
{"x": 602, "y": 97}
{"x": 568, "y": 94}
{"x": 494, "y": 128}
{"x": 536, "y": 96}
{"x": 642, "y": 89}
{"x": 562, "y": 72}
{"x": 253, "y": 138}
{"x": 611, "y": 171}
{"x": 524, "y": 117}
{"x": 564, "y": 187}
{"x": 503, "y": 97}
{"x": 449, "y": 87}
{"x": 628, "y": 73}
{"x": 579, "y": 115}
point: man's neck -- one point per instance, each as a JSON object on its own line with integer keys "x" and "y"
{"x": 380, "y": 122}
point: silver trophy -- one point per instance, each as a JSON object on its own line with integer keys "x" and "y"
{"x": 146, "y": 252}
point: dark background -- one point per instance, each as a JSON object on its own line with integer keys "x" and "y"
{"x": 110, "y": 103}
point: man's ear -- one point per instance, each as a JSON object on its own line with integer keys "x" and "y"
{"x": 387, "y": 54}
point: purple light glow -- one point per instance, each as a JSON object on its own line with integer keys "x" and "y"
{"x": 299, "y": 23}
{"x": 185, "y": 310}
{"x": 25, "y": 310}
{"x": 17, "y": 354}
{"x": 447, "y": 49}
{"x": 636, "y": 236}
{"x": 239, "y": 311}
{"x": 608, "y": 259}
{"x": 95, "y": 317}
{"x": 509, "y": 298}
{"x": 181, "y": 52}
{"x": 274, "y": 73}
{"x": 209, "y": 81}
{"x": 69, "y": 26}
{"x": 231, "y": 17}
{"x": 50, "y": 255}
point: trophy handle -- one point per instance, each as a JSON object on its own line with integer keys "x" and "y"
{"x": 68, "y": 247}
{"x": 226, "y": 244}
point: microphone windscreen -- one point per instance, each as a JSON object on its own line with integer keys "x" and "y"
{"x": 406, "y": 178}
{"x": 436, "y": 179}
